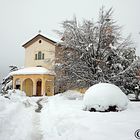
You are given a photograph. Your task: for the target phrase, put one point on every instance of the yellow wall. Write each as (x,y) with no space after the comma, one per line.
(49,87)
(29,86)
(45,47)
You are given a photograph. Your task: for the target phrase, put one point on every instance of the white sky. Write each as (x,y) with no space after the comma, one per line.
(20,20)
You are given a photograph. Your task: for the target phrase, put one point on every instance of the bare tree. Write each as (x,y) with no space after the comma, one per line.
(97,52)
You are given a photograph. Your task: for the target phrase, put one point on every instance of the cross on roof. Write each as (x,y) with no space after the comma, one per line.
(39,31)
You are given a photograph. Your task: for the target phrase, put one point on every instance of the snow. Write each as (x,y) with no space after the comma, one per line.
(20,96)
(16,117)
(32,70)
(4,103)
(63,118)
(112,47)
(103,95)
(72,95)
(132,96)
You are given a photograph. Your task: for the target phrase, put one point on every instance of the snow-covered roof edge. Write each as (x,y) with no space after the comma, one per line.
(32,71)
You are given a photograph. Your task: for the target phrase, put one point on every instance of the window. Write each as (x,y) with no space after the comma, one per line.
(39,41)
(35,56)
(39,56)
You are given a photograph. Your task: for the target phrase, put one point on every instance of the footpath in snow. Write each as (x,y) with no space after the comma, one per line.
(20,117)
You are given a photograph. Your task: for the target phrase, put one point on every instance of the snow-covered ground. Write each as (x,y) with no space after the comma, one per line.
(63,118)
(18,119)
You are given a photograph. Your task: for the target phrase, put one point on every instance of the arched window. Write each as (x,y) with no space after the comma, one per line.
(39,56)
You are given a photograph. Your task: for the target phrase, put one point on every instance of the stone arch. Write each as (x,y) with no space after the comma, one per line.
(38,87)
(28,86)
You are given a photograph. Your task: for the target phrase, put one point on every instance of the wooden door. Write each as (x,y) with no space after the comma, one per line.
(38,88)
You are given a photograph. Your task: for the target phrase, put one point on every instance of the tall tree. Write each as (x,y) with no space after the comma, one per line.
(97,52)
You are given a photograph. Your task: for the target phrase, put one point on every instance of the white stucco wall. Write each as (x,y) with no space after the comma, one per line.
(45,47)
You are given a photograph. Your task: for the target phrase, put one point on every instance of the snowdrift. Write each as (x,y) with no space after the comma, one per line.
(105,97)
(16,116)
(72,95)
(20,96)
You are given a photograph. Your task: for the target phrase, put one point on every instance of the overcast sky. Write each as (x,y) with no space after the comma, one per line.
(20,20)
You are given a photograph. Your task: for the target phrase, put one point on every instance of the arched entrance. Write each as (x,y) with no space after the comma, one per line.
(17,84)
(38,87)
(28,87)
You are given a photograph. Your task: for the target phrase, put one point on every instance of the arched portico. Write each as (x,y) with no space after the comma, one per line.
(28,86)
(35,84)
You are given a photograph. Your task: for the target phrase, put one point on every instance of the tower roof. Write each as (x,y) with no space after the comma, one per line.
(39,36)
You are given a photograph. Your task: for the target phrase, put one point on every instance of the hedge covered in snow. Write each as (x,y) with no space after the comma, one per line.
(105,97)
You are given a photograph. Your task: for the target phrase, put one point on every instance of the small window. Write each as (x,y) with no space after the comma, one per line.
(40,41)
(35,56)
(42,55)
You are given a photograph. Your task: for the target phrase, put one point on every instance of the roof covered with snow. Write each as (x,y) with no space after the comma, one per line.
(32,70)
(39,36)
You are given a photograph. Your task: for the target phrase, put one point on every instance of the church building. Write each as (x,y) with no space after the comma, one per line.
(38,75)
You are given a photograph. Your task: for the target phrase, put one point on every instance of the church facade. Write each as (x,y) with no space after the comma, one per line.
(38,75)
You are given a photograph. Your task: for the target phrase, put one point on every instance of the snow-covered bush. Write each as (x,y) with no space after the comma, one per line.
(104,97)
(72,95)
(20,96)
(15,95)
(132,97)
(7,81)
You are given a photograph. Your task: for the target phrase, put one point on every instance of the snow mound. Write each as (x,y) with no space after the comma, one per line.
(72,95)
(16,95)
(105,97)
(20,96)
